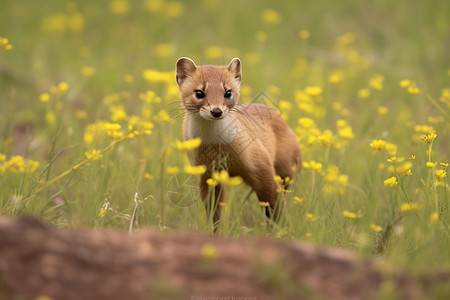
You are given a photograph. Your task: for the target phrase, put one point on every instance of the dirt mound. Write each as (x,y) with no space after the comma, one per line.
(36,260)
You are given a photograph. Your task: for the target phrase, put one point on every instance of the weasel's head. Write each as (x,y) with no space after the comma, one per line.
(210,91)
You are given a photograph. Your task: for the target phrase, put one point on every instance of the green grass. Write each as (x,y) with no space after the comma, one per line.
(355,40)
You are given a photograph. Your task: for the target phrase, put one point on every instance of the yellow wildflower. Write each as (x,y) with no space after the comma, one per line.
(119,7)
(434,217)
(273,89)
(378,145)
(50,117)
(382,110)
(391,182)
(148,176)
(128,78)
(211,182)
(430,164)
(429,137)
(195,170)
(391,149)
(118,113)
(263,204)
(376,82)
(350,215)
(298,200)
(271,16)
(335,77)
(405,207)
(213,52)
(313,90)
(376,228)
(310,217)
(304,34)
(44,97)
(209,251)
(441,174)
(224,178)
(171,170)
(443,164)
(312,165)
(403,169)
(4,44)
(279,180)
(164,50)
(306,122)
(413,89)
(189,144)
(42,297)
(63,86)
(94,154)
(326,139)
(148,96)
(162,116)
(174,9)
(87,71)
(157,76)
(154,5)
(363,93)
(405,83)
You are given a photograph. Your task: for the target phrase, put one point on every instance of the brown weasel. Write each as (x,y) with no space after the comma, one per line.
(249,140)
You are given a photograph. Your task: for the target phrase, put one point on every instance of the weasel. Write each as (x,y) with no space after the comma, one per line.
(250,140)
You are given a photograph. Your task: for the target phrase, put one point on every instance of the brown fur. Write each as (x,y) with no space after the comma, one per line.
(250,140)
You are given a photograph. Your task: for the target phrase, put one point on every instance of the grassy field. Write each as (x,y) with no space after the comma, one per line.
(90,117)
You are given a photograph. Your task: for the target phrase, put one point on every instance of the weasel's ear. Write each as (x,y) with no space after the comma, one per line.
(185,66)
(235,68)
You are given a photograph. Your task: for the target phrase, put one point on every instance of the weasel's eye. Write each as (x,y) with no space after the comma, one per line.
(228,94)
(199,94)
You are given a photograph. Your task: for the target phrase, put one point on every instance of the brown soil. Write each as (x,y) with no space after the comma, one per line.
(36,260)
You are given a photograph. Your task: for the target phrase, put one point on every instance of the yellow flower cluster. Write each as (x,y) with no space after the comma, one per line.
(376,82)
(119,7)
(61,22)
(100,130)
(224,178)
(195,170)
(309,134)
(209,251)
(351,215)
(17,165)
(312,165)
(391,182)
(345,47)
(149,97)
(271,16)
(155,76)
(399,166)
(380,145)
(172,9)
(441,174)
(445,96)
(94,154)
(4,44)
(410,85)
(334,181)
(407,207)
(189,145)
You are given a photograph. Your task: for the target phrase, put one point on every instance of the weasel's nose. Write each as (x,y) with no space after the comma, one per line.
(216,112)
